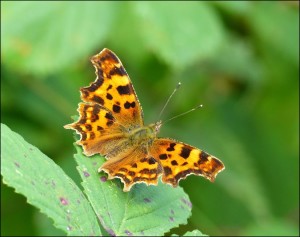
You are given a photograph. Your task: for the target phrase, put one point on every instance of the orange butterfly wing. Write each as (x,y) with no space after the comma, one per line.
(179,160)
(113,90)
(133,165)
(110,107)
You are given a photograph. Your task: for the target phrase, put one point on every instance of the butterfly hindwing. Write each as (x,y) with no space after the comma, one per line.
(99,132)
(132,166)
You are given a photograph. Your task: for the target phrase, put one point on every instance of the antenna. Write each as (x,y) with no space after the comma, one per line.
(167,102)
(179,115)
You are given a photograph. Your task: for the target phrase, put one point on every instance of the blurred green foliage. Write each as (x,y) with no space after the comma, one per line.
(239,59)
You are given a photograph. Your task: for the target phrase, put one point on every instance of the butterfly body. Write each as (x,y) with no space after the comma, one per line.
(143,136)
(111,124)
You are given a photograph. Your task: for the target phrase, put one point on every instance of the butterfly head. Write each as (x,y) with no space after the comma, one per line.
(157,126)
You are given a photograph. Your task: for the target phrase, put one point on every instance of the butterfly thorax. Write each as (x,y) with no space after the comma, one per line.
(144,135)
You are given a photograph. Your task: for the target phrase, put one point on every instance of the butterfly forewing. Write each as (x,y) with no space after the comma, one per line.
(179,160)
(113,90)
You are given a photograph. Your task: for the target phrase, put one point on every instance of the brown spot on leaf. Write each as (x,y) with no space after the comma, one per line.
(63,201)
(86,174)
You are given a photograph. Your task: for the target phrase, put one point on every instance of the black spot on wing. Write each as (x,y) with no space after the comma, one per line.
(151,161)
(109,123)
(94,117)
(126,180)
(98,99)
(182,174)
(131,173)
(82,120)
(116,108)
(167,170)
(92,135)
(127,105)
(143,159)
(123,169)
(124,90)
(174,163)
(203,157)
(118,71)
(88,127)
(112,57)
(109,96)
(185,152)
(219,163)
(109,116)
(83,136)
(171,147)
(96,109)
(163,156)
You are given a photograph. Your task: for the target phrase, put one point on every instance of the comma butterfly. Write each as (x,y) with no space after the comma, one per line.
(111,124)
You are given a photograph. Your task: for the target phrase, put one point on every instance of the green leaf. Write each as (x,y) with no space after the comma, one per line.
(45,38)
(180,32)
(45,185)
(145,210)
(192,233)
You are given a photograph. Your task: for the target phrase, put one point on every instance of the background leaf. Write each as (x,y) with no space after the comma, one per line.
(193,233)
(167,34)
(45,185)
(27,39)
(149,211)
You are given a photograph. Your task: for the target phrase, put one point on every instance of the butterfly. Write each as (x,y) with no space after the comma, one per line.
(111,124)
